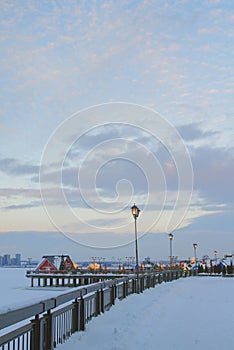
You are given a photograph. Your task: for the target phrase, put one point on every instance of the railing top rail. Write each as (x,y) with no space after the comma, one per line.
(11,317)
(15,333)
(15,316)
(71,274)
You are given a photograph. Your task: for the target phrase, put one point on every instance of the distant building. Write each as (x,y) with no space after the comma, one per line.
(6,260)
(51,263)
(46,266)
(18,259)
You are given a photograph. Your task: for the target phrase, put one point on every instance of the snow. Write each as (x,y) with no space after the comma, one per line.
(15,291)
(190,313)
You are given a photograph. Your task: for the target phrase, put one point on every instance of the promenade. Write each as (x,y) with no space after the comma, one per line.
(193,313)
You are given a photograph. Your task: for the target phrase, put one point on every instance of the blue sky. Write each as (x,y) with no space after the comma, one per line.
(59,58)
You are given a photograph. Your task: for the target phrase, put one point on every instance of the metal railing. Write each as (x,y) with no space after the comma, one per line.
(56,319)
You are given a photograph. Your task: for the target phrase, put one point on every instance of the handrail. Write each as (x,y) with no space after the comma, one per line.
(21,314)
(11,317)
(86,301)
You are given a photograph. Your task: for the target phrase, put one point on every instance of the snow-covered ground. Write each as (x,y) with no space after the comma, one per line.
(15,291)
(190,313)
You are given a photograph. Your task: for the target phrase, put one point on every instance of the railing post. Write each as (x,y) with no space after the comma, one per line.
(151,281)
(172,275)
(154,280)
(148,281)
(82,314)
(98,304)
(113,293)
(133,286)
(144,283)
(126,287)
(124,290)
(35,335)
(102,301)
(75,311)
(140,284)
(48,331)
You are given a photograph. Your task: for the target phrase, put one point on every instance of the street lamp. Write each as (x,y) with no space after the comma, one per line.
(29,263)
(135,213)
(195,252)
(215,255)
(170,239)
(128,258)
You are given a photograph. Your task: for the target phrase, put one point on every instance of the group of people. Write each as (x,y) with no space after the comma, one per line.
(216,269)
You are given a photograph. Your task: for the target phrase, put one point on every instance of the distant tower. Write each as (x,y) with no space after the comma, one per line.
(6,260)
(18,259)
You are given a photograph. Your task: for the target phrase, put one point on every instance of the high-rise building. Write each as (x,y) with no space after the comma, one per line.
(18,259)
(6,259)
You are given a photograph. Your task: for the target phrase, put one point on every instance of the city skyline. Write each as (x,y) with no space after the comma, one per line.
(110,103)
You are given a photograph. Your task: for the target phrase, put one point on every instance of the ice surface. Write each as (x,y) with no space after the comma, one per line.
(15,291)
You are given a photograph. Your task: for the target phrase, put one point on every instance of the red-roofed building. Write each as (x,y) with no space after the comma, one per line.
(46,266)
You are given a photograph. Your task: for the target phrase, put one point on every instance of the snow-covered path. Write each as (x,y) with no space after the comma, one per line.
(192,313)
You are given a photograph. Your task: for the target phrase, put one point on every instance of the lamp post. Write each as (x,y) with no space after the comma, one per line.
(170,239)
(215,256)
(29,263)
(128,258)
(135,213)
(195,252)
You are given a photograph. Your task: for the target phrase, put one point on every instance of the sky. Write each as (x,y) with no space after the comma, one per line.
(109,103)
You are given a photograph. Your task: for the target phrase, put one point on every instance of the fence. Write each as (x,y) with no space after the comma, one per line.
(56,319)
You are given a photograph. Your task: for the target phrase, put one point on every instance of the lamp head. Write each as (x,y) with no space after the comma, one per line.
(135,211)
(170,236)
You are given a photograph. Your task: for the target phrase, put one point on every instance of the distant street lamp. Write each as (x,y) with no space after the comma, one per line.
(128,258)
(170,239)
(195,252)
(29,263)
(215,256)
(135,213)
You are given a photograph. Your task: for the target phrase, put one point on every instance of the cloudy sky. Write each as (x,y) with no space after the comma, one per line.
(107,103)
